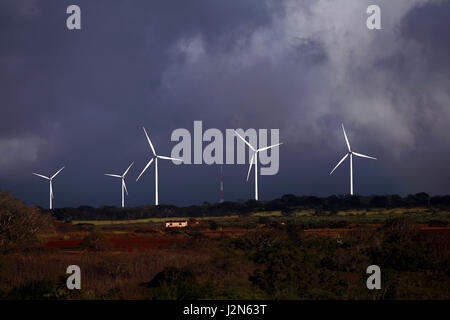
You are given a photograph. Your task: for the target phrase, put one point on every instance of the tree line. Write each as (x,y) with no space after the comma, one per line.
(286,204)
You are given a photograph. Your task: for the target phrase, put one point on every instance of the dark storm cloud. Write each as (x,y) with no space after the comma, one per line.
(428,25)
(79,98)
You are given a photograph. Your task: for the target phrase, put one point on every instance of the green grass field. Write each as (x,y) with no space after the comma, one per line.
(149,220)
(420,215)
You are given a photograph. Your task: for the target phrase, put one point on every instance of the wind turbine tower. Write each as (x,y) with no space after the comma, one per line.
(51,184)
(124,186)
(155,158)
(254,159)
(351,154)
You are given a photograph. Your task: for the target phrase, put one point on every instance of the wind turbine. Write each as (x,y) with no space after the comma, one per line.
(254,159)
(124,186)
(51,185)
(155,158)
(351,153)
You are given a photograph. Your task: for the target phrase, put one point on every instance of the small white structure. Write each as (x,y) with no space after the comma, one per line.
(176,224)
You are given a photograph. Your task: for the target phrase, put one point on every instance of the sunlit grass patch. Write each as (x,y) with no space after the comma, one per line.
(147,220)
(268,214)
(118,222)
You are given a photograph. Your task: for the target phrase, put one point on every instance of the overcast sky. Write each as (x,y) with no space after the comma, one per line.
(80,98)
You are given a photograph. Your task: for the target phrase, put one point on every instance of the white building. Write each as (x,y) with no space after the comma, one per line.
(176,224)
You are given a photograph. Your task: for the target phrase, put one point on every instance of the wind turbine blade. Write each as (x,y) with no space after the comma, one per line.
(113,175)
(125,186)
(169,158)
(363,156)
(346,139)
(250,166)
(40,175)
(57,172)
(51,190)
(342,160)
(148,164)
(270,147)
(149,142)
(126,171)
(249,145)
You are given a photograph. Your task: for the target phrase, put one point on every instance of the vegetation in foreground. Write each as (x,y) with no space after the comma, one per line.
(277,257)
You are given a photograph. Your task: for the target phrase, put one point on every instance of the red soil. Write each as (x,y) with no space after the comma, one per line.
(327,232)
(140,243)
(443,231)
(63,243)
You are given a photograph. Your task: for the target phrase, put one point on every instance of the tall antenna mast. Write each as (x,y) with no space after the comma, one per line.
(221,185)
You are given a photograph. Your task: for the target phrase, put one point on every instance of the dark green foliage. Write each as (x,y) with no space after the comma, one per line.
(264,220)
(287,205)
(287,211)
(38,290)
(96,241)
(213,225)
(437,223)
(177,284)
(20,225)
(290,265)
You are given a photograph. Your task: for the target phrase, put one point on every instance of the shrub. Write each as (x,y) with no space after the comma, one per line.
(20,225)
(213,225)
(264,220)
(249,225)
(176,284)
(399,229)
(96,241)
(438,223)
(37,290)
(288,212)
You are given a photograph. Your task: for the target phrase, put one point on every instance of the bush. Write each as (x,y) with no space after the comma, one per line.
(20,225)
(399,229)
(249,225)
(96,241)
(177,284)
(213,225)
(264,220)
(438,223)
(288,212)
(37,290)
